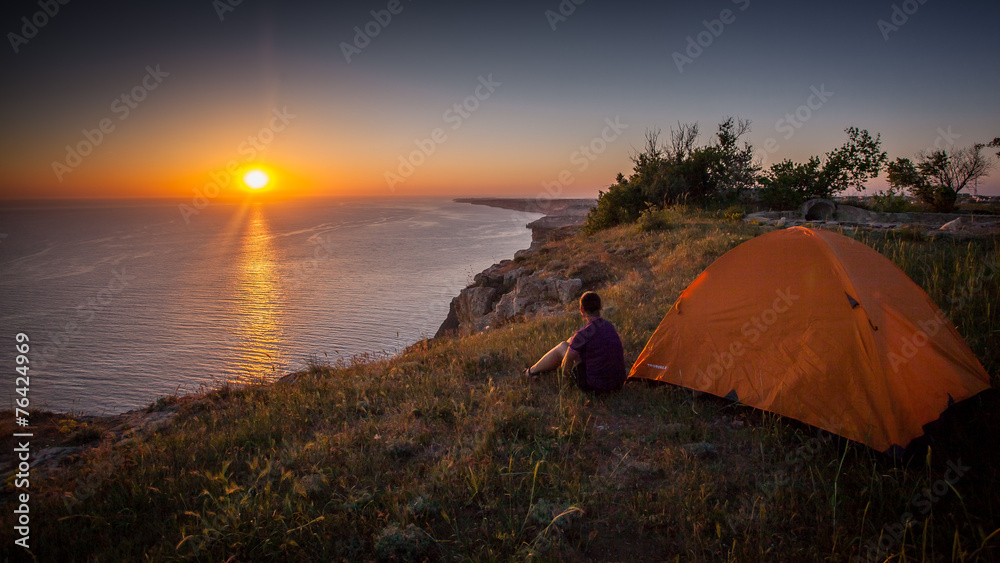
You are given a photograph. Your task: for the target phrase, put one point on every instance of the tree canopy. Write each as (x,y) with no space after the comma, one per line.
(939,176)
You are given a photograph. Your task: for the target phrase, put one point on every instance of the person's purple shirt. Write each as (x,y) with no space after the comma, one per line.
(601,353)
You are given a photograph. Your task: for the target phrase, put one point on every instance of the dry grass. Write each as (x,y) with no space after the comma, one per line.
(444,452)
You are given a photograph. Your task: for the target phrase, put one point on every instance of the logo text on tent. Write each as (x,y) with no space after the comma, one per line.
(919,339)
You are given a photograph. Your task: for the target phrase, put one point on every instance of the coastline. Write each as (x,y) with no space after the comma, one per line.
(563,218)
(359,459)
(554,207)
(558,213)
(504,291)
(390,265)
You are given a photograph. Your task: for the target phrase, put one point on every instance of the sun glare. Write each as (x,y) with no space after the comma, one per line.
(256,179)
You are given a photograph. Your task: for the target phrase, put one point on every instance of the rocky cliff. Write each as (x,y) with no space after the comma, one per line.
(507,290)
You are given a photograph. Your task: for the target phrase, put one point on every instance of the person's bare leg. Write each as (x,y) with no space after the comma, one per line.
(551,360)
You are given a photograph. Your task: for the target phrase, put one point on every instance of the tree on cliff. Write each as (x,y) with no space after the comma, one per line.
(787,183)
(680,171)
(939,176)
(735,168)
(860,159)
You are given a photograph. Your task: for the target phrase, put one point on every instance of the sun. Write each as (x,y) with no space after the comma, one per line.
(256,179)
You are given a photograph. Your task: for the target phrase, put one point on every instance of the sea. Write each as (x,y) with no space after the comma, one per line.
(126,301)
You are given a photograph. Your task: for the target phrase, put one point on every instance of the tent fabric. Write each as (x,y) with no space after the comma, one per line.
(818,327)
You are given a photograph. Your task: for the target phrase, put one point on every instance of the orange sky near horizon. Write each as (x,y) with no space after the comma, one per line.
(178,157)
(447,102)
(164,157)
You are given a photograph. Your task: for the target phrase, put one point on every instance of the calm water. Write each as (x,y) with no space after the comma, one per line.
(125,302)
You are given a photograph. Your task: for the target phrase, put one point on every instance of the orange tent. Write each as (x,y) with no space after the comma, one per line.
(818,327)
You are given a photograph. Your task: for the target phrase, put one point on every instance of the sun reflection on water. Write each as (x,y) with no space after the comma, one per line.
(258,303)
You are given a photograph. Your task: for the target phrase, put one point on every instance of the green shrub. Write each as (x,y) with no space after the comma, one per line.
(652,220)
(787,184)
(622,203)
(889,201)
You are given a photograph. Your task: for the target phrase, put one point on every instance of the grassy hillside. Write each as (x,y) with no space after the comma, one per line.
(445,452)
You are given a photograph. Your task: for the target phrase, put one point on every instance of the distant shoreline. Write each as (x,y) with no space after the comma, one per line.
(557,213)
(548,207)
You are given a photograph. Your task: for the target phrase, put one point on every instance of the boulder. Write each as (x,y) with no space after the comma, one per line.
(534,293)
(492,276)
(819,210)
(49,458)
(505,307)
(488,321)
(511,277)
(954,225)
(497,296)
(568,289)
(474,302)
(450,325)
(532,290)
(851,214)
(525,252)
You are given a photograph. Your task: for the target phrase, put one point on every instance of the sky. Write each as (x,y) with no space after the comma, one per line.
(402,98)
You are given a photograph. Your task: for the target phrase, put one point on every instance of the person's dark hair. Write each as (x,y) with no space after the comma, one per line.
(590,302)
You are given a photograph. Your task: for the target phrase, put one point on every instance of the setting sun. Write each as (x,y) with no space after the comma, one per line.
(256,179)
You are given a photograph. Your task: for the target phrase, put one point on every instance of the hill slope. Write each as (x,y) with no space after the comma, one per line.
(444,451)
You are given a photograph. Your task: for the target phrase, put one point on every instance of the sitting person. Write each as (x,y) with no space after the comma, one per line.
(595,351)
